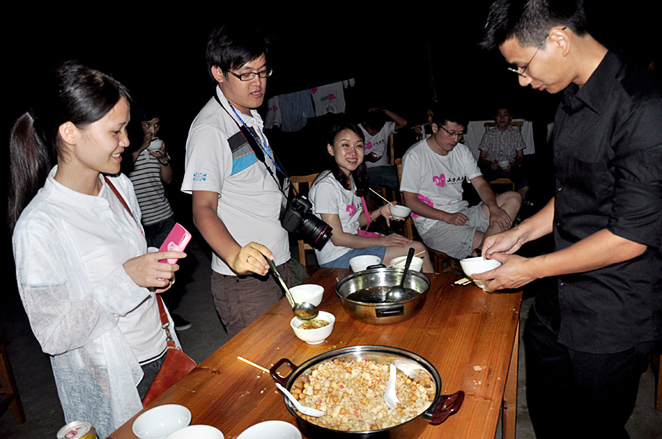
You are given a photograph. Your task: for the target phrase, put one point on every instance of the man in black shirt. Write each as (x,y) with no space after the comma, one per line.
(588,342)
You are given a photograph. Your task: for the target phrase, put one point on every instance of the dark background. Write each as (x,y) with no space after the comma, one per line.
(400,59)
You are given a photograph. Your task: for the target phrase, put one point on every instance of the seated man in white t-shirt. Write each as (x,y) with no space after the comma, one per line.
(433,171)
(377,127)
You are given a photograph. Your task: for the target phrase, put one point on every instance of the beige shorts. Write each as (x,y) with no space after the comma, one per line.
(456,241)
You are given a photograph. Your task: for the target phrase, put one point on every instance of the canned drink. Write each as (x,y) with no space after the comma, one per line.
(77,430)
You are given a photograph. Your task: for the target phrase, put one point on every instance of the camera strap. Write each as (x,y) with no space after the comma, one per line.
(255,145)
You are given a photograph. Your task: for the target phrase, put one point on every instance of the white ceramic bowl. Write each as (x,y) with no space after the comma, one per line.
(399,211)
(399,262)
(504,163)
(271,429)
(360,263)
(471,266)
(310,293)
(314,336)
(197,432)
(155,144)
(159,422)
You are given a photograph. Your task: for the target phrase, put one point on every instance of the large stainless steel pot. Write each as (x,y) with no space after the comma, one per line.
(410,363)
(383,313)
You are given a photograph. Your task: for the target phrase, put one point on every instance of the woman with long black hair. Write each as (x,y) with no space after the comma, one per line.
(338,197)
(84,275)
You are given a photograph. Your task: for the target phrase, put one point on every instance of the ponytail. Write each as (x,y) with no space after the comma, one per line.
(30,162)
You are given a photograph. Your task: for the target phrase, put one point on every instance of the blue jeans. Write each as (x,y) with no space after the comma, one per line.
(343,261)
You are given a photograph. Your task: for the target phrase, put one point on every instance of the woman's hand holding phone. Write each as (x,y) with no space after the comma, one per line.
(147,270)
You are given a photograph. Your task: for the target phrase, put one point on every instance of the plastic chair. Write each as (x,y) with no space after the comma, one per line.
(297,181)
(8,387)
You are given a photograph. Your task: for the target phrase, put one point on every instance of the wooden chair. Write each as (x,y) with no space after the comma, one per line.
(297,181)
(8,387)
(517,124)
(391,157)
(440,258)
(657,371)
(503,181)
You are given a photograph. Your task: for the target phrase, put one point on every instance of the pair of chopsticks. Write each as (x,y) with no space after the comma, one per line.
(463,282)
(380,196)
(416,254)
(254,365)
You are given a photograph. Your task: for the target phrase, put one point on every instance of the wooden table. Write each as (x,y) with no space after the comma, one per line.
(470,336)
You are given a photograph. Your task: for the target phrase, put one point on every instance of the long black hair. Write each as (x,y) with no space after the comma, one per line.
(74,93)
(360,174)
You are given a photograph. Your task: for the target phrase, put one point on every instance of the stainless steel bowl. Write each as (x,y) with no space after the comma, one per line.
(382,313)
(410,363)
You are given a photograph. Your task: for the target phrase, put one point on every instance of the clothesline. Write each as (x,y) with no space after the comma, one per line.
(291,111)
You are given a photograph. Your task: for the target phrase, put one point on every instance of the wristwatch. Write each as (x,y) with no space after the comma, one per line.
(167,162)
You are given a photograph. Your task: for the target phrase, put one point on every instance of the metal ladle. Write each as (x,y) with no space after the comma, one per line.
(303,310)
(398,292)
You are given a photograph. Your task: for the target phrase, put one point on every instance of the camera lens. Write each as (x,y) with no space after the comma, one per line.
(315,231)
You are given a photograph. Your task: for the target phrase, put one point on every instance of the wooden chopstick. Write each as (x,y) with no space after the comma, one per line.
(380,196)
(417,254)
(254,365)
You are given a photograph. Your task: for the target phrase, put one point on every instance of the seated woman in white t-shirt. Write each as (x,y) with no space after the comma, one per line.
(337,197)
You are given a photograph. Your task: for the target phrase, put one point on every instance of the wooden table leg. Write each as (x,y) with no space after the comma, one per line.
(510,395)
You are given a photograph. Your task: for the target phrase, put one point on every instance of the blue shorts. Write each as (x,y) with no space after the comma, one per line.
(343,261)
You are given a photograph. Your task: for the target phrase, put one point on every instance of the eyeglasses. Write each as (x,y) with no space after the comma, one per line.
(522,70)
(453,133)
(251,75)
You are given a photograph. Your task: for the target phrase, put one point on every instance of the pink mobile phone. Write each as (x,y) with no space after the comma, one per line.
(177,240)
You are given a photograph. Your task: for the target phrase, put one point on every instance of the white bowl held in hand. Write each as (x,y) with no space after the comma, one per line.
(271,429)
(159,422)
(398,211)
(197,432)
(471,266)
(155,144)
(317,335)
(310,293)
(360,263)
(504,164)
(399,262)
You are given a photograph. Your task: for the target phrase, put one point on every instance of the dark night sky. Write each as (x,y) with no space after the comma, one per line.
(160,55)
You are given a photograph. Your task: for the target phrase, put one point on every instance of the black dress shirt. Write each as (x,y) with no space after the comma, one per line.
(607,145)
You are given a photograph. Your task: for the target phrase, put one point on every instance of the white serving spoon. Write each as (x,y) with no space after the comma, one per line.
(302,408)
(390,396)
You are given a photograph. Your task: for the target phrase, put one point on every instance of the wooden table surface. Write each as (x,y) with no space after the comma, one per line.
(470,337)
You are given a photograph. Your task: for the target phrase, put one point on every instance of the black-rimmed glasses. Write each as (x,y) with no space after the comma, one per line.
(249,76)
(457,134)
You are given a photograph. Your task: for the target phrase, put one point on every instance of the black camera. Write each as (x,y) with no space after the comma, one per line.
(298,218)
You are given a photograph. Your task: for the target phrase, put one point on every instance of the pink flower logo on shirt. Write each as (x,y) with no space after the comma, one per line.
(424,199)
(368,145)
(351,209)
(332,97)
(439,180)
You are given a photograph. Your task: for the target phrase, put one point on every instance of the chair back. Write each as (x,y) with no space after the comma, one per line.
(297,182)
(517,123)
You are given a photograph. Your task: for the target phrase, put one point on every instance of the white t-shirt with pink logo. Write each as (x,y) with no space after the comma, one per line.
(437,179)
(378,144)
(328,196)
